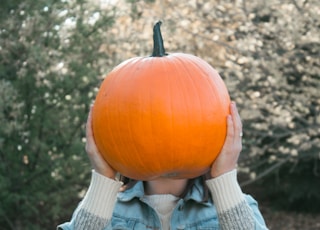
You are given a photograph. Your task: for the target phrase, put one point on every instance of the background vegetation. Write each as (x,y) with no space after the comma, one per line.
(54,54)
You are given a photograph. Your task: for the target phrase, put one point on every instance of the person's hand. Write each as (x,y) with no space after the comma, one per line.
(97,161)
(228,157)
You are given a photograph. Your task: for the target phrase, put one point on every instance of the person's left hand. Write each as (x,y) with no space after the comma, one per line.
(98,163)
(228,157)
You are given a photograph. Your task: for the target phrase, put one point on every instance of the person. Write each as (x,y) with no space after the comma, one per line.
(212,201)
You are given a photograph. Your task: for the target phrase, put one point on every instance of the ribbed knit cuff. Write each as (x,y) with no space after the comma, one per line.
(225,191)
(101,196)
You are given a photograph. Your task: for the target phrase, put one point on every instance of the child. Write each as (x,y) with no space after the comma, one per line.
(213,201)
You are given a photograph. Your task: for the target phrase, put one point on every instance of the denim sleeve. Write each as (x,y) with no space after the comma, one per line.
(245,215)
(258,218)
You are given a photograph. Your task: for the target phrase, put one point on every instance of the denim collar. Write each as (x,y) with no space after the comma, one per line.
(137,191)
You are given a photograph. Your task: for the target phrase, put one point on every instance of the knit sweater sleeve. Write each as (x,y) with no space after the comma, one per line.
(233,210)
(96,208)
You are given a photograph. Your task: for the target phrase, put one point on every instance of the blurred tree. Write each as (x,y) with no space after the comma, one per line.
(53,52)
(278,74)
(50,64)
(268,54)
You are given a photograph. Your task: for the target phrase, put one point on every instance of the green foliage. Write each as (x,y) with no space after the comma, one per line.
(52,54)
(50,64)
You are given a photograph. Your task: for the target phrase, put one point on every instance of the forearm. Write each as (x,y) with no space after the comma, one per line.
(232,207)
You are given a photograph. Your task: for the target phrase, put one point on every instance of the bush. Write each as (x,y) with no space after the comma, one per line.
(50,66)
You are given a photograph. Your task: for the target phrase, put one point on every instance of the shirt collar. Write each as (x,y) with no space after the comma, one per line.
(137,191)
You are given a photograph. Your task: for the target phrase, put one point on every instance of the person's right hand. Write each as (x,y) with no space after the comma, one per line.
(228,157)
(97,161)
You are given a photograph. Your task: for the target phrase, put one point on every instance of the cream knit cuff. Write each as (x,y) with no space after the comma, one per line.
(225,191)
(101,196)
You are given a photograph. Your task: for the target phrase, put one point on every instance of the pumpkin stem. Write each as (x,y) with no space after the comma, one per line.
(158,48)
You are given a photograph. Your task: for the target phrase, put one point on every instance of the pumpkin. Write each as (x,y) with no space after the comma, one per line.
(161,116)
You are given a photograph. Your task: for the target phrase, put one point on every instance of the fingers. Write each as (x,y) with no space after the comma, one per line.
(90,145)
(230,132)
(236,119)
(97,161)
(237,126)
(234,130)
(234,124)
(89,124)
(228,157)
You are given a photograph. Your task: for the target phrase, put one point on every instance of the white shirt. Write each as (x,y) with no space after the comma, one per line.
(164,205)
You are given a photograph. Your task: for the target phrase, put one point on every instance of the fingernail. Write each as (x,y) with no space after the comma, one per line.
(233,105)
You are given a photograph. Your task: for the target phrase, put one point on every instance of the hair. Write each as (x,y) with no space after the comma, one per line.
(128,183)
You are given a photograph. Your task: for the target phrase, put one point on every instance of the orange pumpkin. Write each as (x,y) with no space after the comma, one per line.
(161,116)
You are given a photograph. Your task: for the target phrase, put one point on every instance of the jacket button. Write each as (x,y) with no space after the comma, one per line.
(180,227)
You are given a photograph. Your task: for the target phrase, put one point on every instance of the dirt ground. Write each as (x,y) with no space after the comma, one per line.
(281,220)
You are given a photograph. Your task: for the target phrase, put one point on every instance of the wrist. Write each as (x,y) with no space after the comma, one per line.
(101,167)
(219,172)
(106,173)
(101,195)
(225,191)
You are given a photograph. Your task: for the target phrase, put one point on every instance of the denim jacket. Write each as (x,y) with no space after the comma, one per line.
(132,211)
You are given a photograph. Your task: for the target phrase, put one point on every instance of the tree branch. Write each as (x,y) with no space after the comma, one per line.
(265,173)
